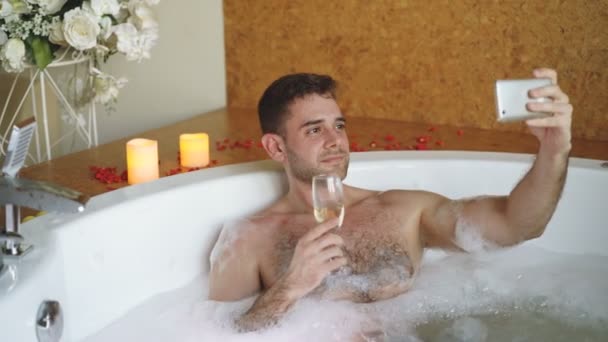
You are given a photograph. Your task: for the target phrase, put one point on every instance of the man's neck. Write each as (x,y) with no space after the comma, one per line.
(299,197)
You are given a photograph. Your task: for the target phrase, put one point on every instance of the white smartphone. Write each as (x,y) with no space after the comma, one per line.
(512,96)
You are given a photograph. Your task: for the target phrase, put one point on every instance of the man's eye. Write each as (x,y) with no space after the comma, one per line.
(341,126)
(313,130)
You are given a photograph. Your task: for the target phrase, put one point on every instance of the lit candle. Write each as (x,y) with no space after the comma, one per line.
(194,150)
(142,160)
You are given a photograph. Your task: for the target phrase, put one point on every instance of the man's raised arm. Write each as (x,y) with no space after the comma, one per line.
(524,214)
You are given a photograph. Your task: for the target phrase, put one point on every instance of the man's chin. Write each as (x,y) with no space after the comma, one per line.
(339,170)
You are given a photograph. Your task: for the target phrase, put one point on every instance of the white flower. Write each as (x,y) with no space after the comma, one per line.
(135,45)
(142,16)
(13,7)
(49,6)
(5,8)
(12,55)
(3,37)
(80,29)
(106,87)
(56,34)
(106,28)
(86,7)
(101,7)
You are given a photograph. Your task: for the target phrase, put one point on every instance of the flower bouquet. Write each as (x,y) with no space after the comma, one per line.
(40,32)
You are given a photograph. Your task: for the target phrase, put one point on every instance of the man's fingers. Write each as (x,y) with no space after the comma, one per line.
(329,253)
(329,240)
(550,107)
(321,229)
(334,264)
(552,121)
(553,91)
(546,72)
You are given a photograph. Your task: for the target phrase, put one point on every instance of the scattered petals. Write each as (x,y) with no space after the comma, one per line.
(420,146)
(106,175)
(421,140)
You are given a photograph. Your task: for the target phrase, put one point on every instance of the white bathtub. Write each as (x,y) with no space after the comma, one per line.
(139,241)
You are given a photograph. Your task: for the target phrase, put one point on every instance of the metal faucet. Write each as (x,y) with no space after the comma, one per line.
(19,192)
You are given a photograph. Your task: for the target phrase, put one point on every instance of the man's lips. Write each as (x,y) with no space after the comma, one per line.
(330,159)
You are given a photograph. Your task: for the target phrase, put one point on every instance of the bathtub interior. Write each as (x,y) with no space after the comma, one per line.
(137,242)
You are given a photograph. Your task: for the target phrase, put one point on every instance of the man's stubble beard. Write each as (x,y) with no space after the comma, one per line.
(304,172)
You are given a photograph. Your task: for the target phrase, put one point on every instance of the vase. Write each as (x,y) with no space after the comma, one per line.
(79,119)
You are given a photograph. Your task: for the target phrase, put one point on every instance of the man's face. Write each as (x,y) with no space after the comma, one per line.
(316,141)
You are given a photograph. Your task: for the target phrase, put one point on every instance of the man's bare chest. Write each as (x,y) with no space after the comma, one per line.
(374,245)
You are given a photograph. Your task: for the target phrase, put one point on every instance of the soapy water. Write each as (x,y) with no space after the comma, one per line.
(523,293)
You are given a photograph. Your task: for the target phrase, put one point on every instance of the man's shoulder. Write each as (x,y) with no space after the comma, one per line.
(399,195)
(254,226)
(412,199)
(241,237)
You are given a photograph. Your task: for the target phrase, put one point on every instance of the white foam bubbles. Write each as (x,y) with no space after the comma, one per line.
(511,294)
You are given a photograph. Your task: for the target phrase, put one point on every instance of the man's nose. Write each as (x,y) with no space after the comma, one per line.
(332,138)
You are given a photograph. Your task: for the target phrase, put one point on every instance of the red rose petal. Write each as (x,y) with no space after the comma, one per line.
(421,140)
(460,132)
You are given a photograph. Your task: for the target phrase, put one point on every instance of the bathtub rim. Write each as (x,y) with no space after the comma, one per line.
(359,159)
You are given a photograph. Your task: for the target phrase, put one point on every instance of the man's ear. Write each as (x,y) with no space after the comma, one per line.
(274,146)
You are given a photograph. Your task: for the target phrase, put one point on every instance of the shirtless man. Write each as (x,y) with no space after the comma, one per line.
(284,255)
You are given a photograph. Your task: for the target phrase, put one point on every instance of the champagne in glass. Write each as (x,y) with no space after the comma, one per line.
(328,198)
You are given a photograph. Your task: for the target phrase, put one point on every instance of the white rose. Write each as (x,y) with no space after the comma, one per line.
(142,17)
(3,37)
(86,7)
(101,7)
(5,8)
(107,87)
(106,28)
(135,45)
(12,55)
(56,34)
(80,29)
(49,6)
(13,7)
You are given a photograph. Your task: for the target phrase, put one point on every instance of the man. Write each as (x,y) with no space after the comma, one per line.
(282,253)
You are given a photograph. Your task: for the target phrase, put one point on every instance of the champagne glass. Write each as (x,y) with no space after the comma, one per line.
(328,203)
(328,198)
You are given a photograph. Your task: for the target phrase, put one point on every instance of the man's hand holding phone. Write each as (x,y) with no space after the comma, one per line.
(548,112)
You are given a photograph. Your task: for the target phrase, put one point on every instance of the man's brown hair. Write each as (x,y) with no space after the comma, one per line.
(273,107)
